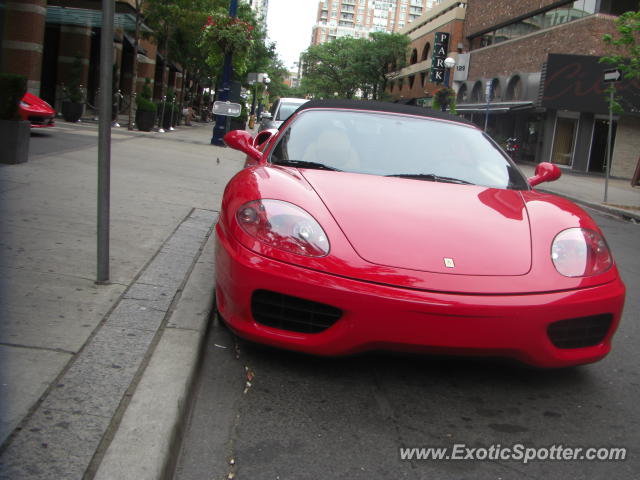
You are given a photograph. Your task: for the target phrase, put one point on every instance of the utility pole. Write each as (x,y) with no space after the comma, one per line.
(104,139)
(220,127)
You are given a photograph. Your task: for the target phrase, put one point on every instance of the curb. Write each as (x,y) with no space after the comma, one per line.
(146,444)
(618,212)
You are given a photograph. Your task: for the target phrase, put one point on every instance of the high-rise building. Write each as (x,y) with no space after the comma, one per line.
(358,18)
(261,7)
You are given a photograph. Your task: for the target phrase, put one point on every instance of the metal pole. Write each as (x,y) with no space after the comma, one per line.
(161,122)
(609,135)
(220,127)
(486,113)
(104,139)
(173,105)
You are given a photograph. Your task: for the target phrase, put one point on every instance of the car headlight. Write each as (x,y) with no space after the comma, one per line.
(24,104)
(284,226)
(579,252)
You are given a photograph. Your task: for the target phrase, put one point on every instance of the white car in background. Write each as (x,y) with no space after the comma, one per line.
(279,112)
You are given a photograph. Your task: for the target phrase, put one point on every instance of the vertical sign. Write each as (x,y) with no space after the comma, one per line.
(440,49)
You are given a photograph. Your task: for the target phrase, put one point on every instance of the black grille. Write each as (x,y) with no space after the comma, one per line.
(580,332)
(40,120)
(292,313)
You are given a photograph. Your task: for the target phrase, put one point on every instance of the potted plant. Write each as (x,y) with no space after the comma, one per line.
(445,98)
(240,122)
(14,132)
(145,109)
(73,103)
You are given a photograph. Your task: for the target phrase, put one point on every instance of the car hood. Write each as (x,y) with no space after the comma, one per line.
(37,105)
(429,226)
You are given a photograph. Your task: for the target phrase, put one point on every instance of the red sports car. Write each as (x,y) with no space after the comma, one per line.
(36,111)
(366,225)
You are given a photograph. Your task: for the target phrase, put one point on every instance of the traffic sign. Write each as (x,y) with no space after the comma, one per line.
(612,75)
(227,109)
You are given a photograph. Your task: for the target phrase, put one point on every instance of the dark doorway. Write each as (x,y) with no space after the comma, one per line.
(49,74)
(598,155)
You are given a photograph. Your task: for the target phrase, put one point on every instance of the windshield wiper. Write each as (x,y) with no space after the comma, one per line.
(432,177)
(305,164)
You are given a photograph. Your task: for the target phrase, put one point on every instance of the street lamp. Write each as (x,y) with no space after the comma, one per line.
(449,62)
(260,78)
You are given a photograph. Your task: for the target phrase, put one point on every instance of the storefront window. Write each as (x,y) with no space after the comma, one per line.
(563,141)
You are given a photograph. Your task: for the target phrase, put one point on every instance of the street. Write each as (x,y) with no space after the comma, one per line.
(260,413)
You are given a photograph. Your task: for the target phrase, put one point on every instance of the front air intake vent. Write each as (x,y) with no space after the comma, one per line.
(292,313)
(580,332)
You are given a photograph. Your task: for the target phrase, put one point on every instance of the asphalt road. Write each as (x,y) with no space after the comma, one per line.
(316,418)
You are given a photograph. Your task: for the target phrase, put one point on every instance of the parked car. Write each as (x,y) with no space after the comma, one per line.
(370,225)
(279,112)
(36,111)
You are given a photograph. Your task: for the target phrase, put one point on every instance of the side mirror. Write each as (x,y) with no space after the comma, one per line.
(266,115)
(545,172)
(262,138)
(242,140)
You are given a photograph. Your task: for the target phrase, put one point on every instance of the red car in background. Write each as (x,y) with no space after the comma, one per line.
(36,111)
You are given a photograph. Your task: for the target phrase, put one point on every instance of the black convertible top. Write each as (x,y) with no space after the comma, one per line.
(377,106)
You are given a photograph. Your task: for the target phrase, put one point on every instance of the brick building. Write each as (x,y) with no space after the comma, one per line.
(42,40)
(539,61)
(413,84)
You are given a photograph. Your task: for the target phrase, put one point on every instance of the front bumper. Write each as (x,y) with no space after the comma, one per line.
(382,317)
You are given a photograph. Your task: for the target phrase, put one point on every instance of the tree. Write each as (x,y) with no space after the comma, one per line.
(374,58)
(627,50)
(627,41)
(329,68)
(347,65)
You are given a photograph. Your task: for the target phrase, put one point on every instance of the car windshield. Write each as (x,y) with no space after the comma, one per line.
(286,109)
(389,144)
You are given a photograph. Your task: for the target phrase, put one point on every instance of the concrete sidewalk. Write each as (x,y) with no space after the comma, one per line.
(76,357)
(94,380)
(623,200)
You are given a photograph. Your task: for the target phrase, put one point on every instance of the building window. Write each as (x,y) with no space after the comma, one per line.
(425,52)
(514,89)
(476,93)
(414,57)
(412,80)
(463,93)
(565,13)
(563,141)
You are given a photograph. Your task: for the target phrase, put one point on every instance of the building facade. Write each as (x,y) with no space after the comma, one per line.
(44,39)
(414,83)
(357,18)
(532,73)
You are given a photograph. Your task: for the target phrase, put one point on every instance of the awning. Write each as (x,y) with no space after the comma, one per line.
(131,41)
(90,18)
(494,107)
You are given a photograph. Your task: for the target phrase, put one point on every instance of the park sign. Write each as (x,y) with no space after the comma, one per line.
(440,50)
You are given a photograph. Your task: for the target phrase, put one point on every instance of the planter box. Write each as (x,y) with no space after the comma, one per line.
(71,111)
(145,120)
(14,138)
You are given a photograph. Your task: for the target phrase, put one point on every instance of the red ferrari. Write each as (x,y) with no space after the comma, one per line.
(36,111)
(366,225)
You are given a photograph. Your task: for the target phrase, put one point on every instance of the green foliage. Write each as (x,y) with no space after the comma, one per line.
(626,56)
(72,90)
(143,101)
(12,89)
(222,34)
(145,104)
(444,98)
(627,44)
(348,64)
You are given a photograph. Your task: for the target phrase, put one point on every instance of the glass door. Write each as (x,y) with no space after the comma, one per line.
(563,141)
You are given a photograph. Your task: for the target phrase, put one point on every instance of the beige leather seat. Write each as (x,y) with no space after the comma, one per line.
(333,148)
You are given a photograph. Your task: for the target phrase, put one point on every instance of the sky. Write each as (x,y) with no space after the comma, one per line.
(289,24)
